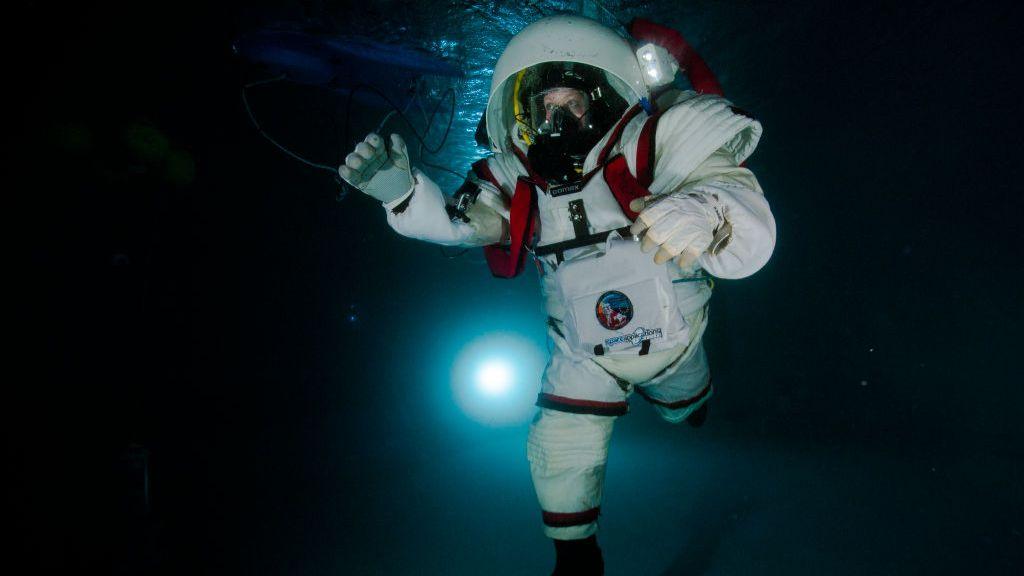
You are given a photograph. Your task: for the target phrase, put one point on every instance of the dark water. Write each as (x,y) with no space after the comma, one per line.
(281,360)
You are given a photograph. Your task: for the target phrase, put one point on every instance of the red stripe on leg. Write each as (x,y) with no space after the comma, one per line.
(566,519)
(577,406)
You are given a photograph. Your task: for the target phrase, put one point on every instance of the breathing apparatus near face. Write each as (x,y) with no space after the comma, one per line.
(563,110)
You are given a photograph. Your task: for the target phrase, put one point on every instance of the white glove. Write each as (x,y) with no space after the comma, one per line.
(379,172)
(683,224)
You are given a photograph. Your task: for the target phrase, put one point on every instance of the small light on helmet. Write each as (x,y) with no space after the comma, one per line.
(659,67)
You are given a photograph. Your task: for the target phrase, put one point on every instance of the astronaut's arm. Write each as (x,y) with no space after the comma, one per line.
(424,213)
(718,217)
(415,206)
(746,238)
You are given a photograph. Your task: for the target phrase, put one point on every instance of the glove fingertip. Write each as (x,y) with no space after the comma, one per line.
(397,142)
(355,162)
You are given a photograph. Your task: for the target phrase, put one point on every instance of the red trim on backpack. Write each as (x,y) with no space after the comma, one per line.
(697,71)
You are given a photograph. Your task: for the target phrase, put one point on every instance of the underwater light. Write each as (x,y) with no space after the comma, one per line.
(494,377)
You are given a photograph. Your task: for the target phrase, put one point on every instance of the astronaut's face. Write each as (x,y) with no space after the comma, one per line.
(570,99)
(563,133)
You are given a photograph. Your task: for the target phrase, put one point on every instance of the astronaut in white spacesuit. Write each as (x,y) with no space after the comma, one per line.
(596,164)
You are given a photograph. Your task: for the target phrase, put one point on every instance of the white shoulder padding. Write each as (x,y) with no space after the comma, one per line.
(689,131)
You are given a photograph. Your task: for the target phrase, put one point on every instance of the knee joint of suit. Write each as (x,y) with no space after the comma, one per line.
(677,415)
(565,440)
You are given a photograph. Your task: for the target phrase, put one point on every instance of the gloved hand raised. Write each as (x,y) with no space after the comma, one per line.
(379,172)
(683,225)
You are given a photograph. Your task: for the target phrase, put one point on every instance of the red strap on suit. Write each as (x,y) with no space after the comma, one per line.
(507,261)
(645,151)
(623,185)
(626,187)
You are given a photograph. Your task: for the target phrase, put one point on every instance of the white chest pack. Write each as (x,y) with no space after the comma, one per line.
(619,303)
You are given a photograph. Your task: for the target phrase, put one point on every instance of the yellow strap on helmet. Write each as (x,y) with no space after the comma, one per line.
(524,128)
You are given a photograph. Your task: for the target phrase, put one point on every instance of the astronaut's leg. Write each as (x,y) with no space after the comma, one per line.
(683,391)
(567,454)
(568,443)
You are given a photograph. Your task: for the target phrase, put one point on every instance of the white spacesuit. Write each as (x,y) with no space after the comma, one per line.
(590,172)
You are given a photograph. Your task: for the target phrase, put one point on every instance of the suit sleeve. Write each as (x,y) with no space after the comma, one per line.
(753,225)
(421,214)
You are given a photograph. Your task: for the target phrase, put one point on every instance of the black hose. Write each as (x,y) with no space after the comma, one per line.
(421,138)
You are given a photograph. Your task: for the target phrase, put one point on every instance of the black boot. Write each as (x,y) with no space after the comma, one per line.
(578,558)
(699,415)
